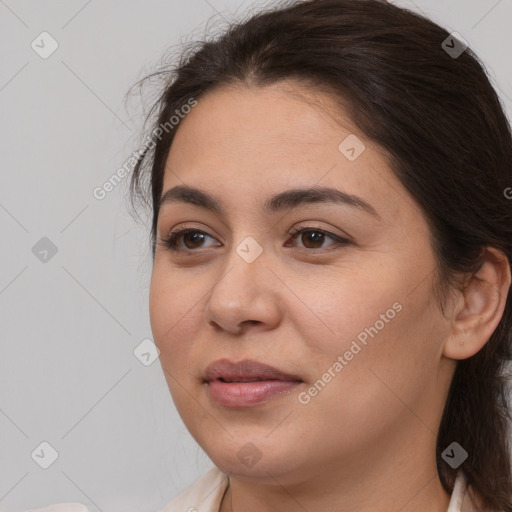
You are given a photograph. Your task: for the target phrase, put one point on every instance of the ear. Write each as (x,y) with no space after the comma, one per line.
(479,307)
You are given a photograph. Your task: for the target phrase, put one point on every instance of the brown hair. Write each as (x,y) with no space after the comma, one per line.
(441,122)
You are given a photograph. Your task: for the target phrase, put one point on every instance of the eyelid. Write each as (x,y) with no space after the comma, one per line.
(306,227)
(185,226)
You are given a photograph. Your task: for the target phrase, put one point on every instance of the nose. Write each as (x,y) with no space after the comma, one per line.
(246,296)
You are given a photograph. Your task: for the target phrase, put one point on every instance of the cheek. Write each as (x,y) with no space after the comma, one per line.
(344,308)
(174,307)
(383,303)
(384,353)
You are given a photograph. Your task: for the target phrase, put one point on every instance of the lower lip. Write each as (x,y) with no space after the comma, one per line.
(247,394)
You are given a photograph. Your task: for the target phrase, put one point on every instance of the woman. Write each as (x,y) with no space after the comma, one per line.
(332,243)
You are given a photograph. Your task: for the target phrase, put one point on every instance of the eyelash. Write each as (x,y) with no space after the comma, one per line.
(170,242)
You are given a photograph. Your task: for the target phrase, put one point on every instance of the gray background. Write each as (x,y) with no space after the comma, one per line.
(70,324)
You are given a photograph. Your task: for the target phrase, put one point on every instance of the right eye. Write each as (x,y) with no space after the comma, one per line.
(192,239)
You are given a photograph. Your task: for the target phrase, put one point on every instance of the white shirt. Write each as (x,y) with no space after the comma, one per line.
(205,495)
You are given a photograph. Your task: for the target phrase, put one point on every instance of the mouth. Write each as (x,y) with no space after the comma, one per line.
(249,379)
(246,383)
(246,370)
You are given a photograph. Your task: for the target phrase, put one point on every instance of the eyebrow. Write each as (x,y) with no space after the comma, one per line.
(287,199)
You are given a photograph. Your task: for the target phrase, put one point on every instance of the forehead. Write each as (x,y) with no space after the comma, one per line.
(240,141)
(279,120)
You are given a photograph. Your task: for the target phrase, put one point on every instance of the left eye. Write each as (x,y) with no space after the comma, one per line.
(311,238)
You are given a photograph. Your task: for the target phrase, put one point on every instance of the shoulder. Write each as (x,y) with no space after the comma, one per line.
(204,495)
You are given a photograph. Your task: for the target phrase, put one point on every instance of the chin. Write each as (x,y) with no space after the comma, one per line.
(253,459)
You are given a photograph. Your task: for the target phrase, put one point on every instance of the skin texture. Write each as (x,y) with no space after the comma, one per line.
(366,441)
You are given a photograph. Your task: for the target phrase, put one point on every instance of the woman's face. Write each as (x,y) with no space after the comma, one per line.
(347,306)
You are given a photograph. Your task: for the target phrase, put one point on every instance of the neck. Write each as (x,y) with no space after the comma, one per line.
(430,498)
(405,480)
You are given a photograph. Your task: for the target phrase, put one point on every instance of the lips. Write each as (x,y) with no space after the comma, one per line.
(245,371)
(247,383)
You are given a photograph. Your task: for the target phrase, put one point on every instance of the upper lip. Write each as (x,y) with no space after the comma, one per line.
(245,370)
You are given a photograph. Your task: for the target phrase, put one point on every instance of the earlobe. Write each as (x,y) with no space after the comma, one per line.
(480,306)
